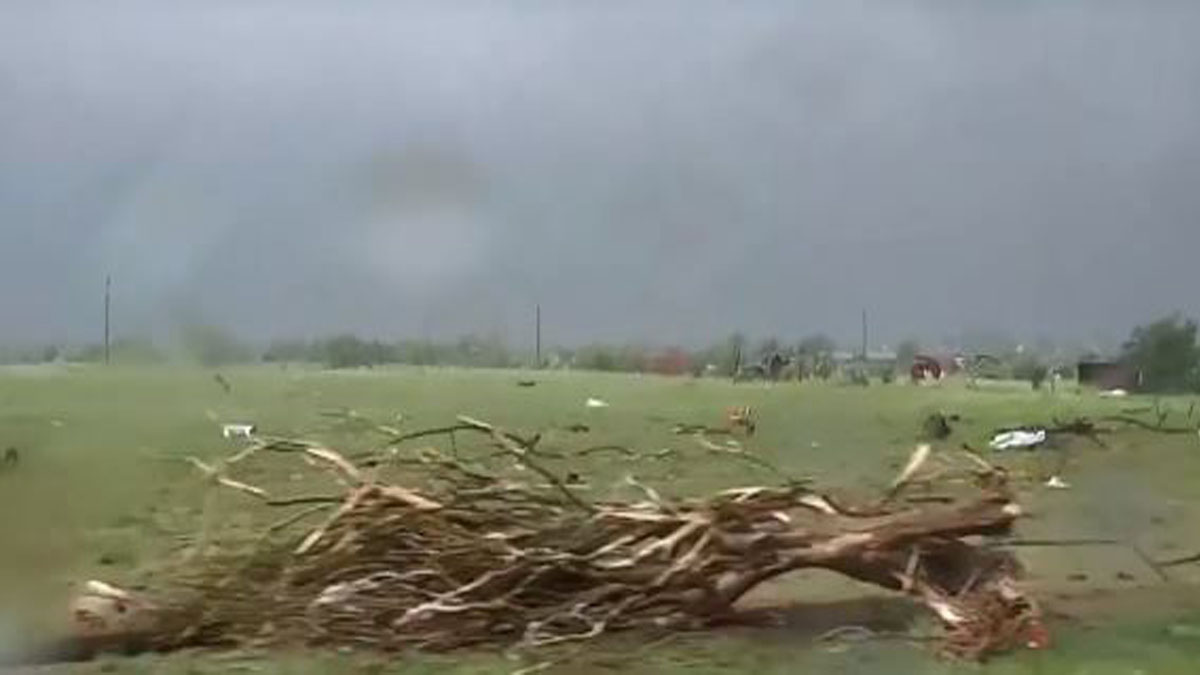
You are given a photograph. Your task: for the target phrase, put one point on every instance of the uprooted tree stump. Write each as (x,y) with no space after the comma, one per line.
(461,556)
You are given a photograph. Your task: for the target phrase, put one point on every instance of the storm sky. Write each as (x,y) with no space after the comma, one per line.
(663,171)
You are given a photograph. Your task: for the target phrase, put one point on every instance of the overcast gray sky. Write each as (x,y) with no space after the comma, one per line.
(653,170)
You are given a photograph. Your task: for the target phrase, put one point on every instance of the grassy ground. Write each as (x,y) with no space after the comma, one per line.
(102,493)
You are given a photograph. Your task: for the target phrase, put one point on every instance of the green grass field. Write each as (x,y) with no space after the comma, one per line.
(103,492)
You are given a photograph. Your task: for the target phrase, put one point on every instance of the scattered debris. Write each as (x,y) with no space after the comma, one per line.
(577,428)
(936,426)
(1184,630)
(1057,483)
(231,431)
(742,417)
(1018,439)
(1114,393)
(684,429)
(223,383)
(526,383)
(12,457)
(596,403)
(918,459)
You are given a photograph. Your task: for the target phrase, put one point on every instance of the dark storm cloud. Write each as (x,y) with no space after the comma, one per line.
(669,171)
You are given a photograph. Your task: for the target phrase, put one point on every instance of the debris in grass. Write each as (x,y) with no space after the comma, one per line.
(936,426)
(238,430)
(1057,483)
(1184,630)
(223,383)
(596,403)
(742,417)
(1018,439)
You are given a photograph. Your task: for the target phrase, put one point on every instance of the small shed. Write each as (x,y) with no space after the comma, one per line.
(1109,375)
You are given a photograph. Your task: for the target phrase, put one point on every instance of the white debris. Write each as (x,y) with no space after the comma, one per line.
(596,403)
(1057,483)
(1114,393)
(101,589)
(238,430)
(1018,438)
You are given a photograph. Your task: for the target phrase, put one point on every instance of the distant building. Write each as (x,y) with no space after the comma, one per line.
(878,356)
(947,363)
(1109,375)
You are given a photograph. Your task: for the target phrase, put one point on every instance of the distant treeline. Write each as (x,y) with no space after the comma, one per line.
(1164,352)
(813,356)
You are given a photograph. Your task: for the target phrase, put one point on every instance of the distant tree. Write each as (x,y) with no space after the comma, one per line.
(596,357)
(905,352)
(633,358)
(350,351)
(670,361)
(482,351)
(858,375)
(132,351)
(816,345)
(417,352)
(768,347)
(630,358)
(1037,376)
(1031,369)
(283,351)
(50,353)
(213,346)
(738,344)
(815,354)
(89,354)
(1166,353)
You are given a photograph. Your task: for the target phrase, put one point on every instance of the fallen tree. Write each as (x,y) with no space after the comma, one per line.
(462,556)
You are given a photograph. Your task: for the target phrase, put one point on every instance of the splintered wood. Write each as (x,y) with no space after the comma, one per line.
(462,556)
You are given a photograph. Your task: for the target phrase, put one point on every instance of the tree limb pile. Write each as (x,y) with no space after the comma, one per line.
(461,556)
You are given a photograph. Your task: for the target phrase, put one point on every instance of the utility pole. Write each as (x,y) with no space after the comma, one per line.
(537,332)
(107,320)
(864,334)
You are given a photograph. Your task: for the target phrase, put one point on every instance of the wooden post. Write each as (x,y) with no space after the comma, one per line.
(537,340)
(107,320)
(864,335)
